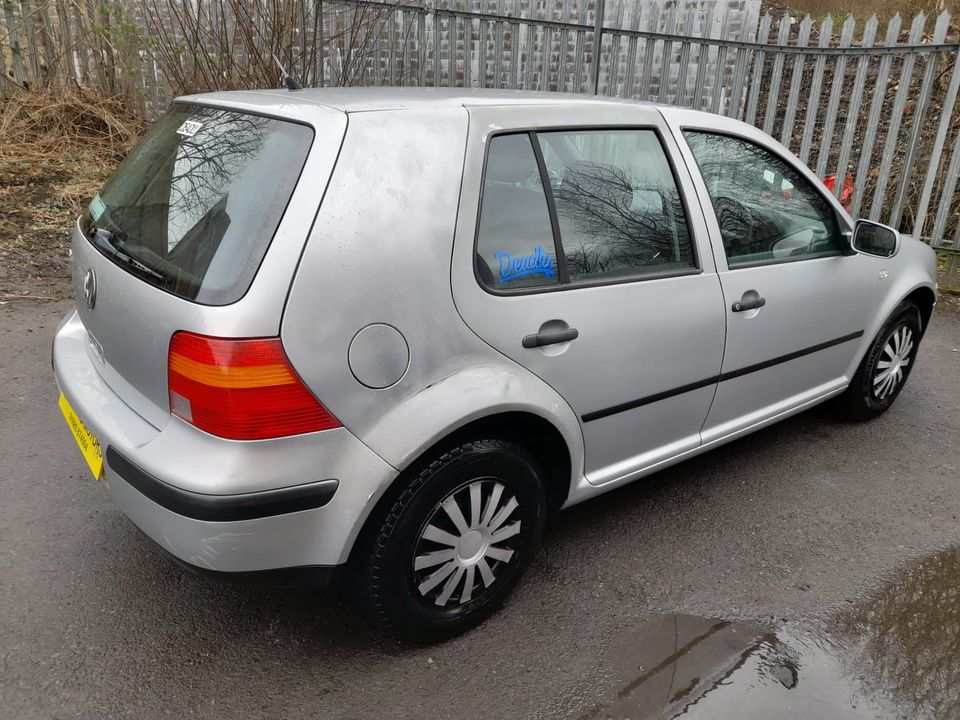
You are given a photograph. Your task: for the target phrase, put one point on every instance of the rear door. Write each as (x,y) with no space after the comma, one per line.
(578,257)
(796,299)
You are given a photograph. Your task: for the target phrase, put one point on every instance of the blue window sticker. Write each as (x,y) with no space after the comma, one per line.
(537,263)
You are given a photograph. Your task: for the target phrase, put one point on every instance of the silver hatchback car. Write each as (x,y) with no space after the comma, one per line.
(391,330)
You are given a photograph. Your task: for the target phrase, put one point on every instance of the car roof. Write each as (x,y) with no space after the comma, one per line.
(373,99)
(311,105)
(369,99)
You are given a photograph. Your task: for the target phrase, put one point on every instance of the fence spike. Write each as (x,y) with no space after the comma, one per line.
(636,18)
(919,110)
(853,108)
(578,50)
(813,102)
(613,71)
(666,57)
(919,20)
(686,29)
(649,45)
(796,77)
(776,75)
(896,117)
(735,105)
(703,60)
(763,36)
(873,120)
(833,104)
(716,92)
(946,197)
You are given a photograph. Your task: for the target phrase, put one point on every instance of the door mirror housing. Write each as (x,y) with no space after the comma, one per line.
(871,238)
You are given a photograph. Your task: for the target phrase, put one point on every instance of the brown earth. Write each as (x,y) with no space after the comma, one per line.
(56,150)
(34,236)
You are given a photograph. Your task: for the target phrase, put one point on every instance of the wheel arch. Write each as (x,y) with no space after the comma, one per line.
(540,436)
(920,293)
(924,298)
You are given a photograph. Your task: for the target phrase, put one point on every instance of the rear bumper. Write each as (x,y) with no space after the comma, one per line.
(223,508)
(308,576)
(224,505)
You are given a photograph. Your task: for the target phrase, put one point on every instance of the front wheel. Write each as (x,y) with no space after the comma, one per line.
(457,540)
(886,366)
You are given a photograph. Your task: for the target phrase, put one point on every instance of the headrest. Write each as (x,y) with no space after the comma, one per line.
(511,159)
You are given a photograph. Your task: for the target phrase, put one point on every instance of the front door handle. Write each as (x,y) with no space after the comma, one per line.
(751,300)
(550,337)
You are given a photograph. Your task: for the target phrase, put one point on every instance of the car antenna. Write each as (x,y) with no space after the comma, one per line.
(289,81)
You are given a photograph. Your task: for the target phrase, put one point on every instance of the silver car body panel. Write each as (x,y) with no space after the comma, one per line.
(399,174)
(810,302)
(133,321)
(193,460)
(636,340)
(381,247)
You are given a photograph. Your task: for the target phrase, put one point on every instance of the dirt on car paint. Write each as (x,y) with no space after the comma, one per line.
(895,654)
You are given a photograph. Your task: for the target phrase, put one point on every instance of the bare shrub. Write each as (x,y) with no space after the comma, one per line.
(230,44)
(74,139)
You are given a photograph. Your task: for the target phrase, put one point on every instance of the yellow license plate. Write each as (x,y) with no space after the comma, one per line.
(89,445)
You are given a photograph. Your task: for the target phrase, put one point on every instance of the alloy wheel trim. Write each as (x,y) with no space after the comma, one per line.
(892,366)
(467,545)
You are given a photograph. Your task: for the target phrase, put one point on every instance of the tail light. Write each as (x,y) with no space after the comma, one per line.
(242,389)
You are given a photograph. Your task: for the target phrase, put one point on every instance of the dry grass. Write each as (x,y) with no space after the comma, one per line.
(73,139)
(56,151)
(863,9)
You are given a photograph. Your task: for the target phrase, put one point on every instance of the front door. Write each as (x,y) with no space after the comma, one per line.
(796,301)
(587,271)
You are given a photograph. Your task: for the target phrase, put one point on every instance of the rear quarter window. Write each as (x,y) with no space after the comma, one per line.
(194,206)
(515,247)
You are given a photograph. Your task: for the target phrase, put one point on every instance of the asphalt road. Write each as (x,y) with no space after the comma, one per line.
(790,524)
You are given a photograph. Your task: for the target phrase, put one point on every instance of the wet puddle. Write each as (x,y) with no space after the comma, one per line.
(894,655)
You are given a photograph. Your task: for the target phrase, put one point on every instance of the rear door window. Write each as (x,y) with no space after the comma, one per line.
(579,206)
(195,205)
(618,206)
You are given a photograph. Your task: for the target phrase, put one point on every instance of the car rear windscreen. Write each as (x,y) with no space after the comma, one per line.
(195,205)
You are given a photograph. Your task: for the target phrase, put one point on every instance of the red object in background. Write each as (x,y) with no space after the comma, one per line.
(845,194)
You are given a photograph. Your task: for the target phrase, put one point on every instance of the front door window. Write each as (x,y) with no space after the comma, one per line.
(767,211)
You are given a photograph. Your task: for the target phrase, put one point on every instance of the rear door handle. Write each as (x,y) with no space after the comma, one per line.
(751,300)
(550,337)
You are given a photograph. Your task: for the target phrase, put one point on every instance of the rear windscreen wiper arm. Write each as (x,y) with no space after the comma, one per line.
(103,239)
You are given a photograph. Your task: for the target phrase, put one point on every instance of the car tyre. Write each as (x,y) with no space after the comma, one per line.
(473,514)
(885,367)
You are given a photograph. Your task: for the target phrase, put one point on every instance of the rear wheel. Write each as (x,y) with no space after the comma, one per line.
(885,368)
(457,540)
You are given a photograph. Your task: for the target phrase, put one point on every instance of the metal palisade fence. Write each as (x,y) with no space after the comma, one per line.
(872,105)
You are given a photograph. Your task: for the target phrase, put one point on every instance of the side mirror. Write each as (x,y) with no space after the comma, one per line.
(872,238)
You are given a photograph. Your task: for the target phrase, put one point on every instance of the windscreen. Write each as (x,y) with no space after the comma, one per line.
(195,205)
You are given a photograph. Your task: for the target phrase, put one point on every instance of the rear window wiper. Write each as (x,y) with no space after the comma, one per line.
(112,244)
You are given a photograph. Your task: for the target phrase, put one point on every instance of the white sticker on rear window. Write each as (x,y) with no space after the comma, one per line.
(96,207)
(189,128)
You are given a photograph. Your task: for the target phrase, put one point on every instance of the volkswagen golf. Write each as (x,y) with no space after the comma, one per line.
(389,331)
